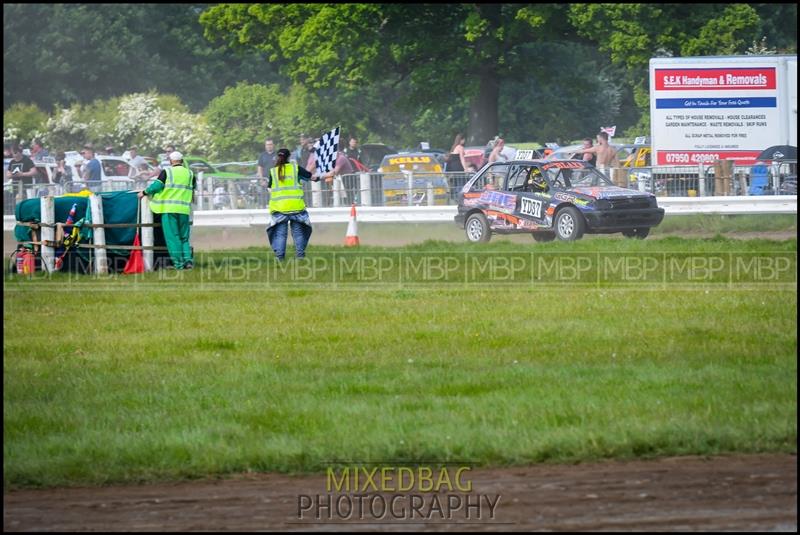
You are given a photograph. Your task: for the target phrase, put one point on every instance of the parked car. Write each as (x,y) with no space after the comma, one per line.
(114,174)
(561,199)
(373,153)
(426,168)
(242,169)
(198,164)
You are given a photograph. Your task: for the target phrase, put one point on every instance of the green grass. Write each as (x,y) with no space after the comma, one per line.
(115,381)
(727,223)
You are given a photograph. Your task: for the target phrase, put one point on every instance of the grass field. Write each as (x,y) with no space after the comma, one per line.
(171,376)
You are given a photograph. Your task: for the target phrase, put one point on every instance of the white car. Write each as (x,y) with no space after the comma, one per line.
(114,174)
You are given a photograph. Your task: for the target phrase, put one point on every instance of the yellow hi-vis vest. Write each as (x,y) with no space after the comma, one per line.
(176,197)
(286,195)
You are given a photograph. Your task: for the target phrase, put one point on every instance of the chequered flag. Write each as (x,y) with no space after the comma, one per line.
(326,149)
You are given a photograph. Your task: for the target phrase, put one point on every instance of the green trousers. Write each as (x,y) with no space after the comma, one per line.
(176,233)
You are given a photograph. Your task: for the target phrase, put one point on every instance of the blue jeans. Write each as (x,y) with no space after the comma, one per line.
(277,232)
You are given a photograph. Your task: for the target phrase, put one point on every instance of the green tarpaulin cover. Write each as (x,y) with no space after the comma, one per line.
(118,207)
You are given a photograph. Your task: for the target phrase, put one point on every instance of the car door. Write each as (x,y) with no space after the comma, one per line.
(533,193)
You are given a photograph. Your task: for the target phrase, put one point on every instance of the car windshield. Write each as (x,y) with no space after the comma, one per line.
(575,177)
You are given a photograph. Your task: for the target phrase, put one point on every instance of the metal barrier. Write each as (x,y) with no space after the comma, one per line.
(762,204)
(16,192)
(706,180)
(439,189)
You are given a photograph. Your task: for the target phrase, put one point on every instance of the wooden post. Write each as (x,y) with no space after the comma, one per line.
(366,193)
(620,176)
(147,232)
(410,177)
(722,177)
(742,183)
(429,192)
(100,257)
(48,207)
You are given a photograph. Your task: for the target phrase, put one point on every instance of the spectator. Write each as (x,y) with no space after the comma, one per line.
(21,169)
(588,156)
(471,169)
(109,151)
(267,159)
(265,162)
(91,171)
(353,150)
(606,154)
(496,154)
(341,167)
(169,149)
(38,152)
(221,198)
(134,159)
(455,161)
(6,151)
(138,165)
(63,172)
(301,152)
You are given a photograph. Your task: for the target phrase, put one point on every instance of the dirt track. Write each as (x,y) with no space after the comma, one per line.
(744,492)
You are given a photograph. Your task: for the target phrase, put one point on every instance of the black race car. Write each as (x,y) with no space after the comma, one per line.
(552,199)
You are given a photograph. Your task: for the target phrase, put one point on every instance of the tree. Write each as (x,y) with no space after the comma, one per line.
(564,103)
(443,51)
(634,33)
(240,118)
(59,54)
(23,122)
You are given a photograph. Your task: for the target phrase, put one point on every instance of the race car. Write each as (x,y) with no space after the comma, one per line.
(549,199)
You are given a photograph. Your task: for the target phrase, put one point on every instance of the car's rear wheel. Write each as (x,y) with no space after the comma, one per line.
(569,224)
(639,233)
(477,228)
(543,236)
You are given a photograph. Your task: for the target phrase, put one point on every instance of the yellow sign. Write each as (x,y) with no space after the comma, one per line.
(410,159)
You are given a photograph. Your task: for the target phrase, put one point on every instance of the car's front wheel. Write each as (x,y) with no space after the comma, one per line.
(639,233)
(477,228)
(569,224)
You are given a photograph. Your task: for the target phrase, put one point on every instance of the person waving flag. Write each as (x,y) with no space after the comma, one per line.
(326,149)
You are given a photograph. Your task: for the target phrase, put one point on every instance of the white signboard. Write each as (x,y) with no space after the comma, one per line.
(524,154)
(713,110)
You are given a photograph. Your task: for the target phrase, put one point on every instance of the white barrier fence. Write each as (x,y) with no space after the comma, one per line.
(774,204)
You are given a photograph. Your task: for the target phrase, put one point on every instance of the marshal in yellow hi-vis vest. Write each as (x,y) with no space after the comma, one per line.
(286,195)
(176,197)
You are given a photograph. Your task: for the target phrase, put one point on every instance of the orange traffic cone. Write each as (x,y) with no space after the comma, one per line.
(351,239)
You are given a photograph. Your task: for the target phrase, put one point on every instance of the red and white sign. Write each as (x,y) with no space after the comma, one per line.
(715,79)
(694,157)
(715,108)
(610,130)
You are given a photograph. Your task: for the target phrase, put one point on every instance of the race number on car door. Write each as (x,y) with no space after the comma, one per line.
(531,207)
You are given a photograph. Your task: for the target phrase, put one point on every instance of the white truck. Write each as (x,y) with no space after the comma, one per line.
(721,107)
